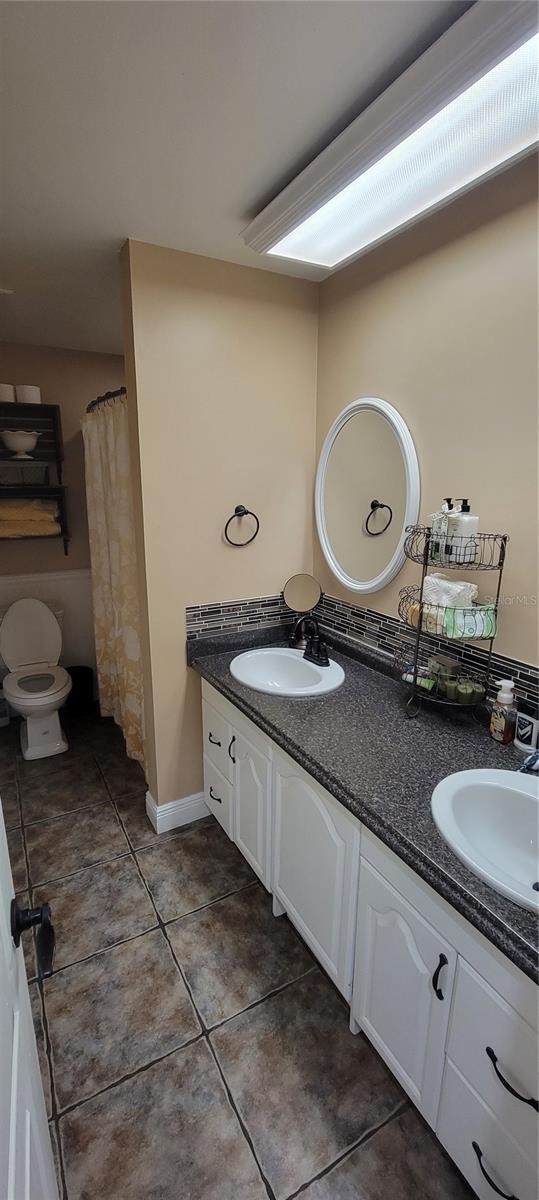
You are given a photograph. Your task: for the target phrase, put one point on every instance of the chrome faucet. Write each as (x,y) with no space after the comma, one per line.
(530,765)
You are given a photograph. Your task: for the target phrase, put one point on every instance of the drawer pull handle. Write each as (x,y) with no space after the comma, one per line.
(230,754)
(214,797)
(524,1099)
(213,740)
(441,964)
(505,1195)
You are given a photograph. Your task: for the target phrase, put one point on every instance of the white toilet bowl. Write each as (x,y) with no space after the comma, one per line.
(36,687)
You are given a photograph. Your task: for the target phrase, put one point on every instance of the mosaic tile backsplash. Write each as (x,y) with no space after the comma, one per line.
(387,635)
(207,620)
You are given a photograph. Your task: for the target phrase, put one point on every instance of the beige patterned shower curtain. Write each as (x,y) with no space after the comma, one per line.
(114,569)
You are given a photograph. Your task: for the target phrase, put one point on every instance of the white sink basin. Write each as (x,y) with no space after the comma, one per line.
(283,672)
(491,819)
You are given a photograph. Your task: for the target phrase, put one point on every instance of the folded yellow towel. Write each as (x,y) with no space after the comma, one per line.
(28,510)
(17,529)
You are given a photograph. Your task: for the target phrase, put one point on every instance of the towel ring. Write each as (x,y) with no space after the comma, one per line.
(241,511)
(375,505)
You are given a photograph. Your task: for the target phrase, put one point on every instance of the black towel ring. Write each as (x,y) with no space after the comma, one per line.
(241,511)
(375,505)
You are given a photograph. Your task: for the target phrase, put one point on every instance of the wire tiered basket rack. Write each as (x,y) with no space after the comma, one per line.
(435,630)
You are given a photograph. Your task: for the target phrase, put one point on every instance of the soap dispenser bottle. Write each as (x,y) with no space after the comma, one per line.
(463,526)
(504,713)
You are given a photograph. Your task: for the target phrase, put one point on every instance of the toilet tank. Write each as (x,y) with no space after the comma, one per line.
(55,608)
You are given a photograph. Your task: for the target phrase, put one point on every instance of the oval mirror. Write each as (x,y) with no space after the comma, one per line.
(367,492)
(301,593)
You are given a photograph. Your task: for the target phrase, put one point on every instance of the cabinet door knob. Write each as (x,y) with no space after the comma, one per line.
(505,1195)
(441,964)
(214,797)
(524,1099)
(213,740)
(233,739)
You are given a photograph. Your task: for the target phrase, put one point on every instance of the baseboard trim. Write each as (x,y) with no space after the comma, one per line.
(177,812)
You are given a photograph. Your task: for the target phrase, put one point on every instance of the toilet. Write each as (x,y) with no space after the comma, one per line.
(36,687)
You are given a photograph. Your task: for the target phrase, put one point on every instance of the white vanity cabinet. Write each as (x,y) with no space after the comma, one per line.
(315,867)
(466,1053)
(452,1017)
(402,992)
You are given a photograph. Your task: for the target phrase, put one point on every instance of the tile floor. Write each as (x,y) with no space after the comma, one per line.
(190,1047)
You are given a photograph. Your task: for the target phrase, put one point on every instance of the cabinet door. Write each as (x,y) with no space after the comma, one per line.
(402,988)
(315,868)
(252,804)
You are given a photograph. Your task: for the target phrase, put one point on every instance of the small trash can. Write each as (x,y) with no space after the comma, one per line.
(81,696)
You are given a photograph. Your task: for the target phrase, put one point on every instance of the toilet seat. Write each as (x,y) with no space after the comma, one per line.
(36,686)
(53,679)
(29,635)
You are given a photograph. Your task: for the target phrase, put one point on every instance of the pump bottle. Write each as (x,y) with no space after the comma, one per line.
(504,713)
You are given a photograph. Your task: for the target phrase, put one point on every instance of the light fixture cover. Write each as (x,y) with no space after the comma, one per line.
(491,123)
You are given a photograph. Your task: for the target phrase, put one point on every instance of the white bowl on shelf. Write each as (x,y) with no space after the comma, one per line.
(20,441)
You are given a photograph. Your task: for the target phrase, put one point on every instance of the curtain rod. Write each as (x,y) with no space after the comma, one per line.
(105,398)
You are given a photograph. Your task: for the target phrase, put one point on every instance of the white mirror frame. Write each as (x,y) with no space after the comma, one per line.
(413,491)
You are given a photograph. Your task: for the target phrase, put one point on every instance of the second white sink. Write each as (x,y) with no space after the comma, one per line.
(490,819)
(279,671)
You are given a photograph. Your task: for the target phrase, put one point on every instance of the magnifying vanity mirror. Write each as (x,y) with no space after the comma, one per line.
(367,492)
(301,593)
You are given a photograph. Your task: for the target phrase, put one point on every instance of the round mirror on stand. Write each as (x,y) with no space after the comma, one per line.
(301,593)
(367,492)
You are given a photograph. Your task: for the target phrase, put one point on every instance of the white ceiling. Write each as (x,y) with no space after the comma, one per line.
(171,123)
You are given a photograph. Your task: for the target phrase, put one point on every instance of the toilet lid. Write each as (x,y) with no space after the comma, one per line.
(29,633)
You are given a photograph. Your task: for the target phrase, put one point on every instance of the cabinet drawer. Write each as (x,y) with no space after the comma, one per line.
(464,1120)
(218,736)
(484,1027)
(218,795)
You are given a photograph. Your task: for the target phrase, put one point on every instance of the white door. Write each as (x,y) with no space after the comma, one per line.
(315,868)
(26,1163)
(402,988)
(252,805)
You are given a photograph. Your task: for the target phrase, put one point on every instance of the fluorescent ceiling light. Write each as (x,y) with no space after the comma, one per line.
(491,123)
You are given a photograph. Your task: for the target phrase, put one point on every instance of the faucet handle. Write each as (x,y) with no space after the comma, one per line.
(323,656)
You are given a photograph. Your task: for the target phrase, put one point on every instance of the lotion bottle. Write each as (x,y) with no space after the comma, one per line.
(463,526)
(504,713)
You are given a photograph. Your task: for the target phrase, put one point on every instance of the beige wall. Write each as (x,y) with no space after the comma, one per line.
(442,323)
(224,366)
(70,378)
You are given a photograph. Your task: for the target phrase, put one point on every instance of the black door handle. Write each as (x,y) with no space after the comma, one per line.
(524,1099)
(213,740)
(25,918)
(233,739)
(505,1195)
(437,990)
(214,797)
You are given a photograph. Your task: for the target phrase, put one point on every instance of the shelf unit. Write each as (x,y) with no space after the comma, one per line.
(43,470)
(480,552)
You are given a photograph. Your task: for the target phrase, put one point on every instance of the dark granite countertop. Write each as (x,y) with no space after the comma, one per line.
(360,745)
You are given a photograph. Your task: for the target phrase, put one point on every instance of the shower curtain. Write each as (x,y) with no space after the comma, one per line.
(114,568)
